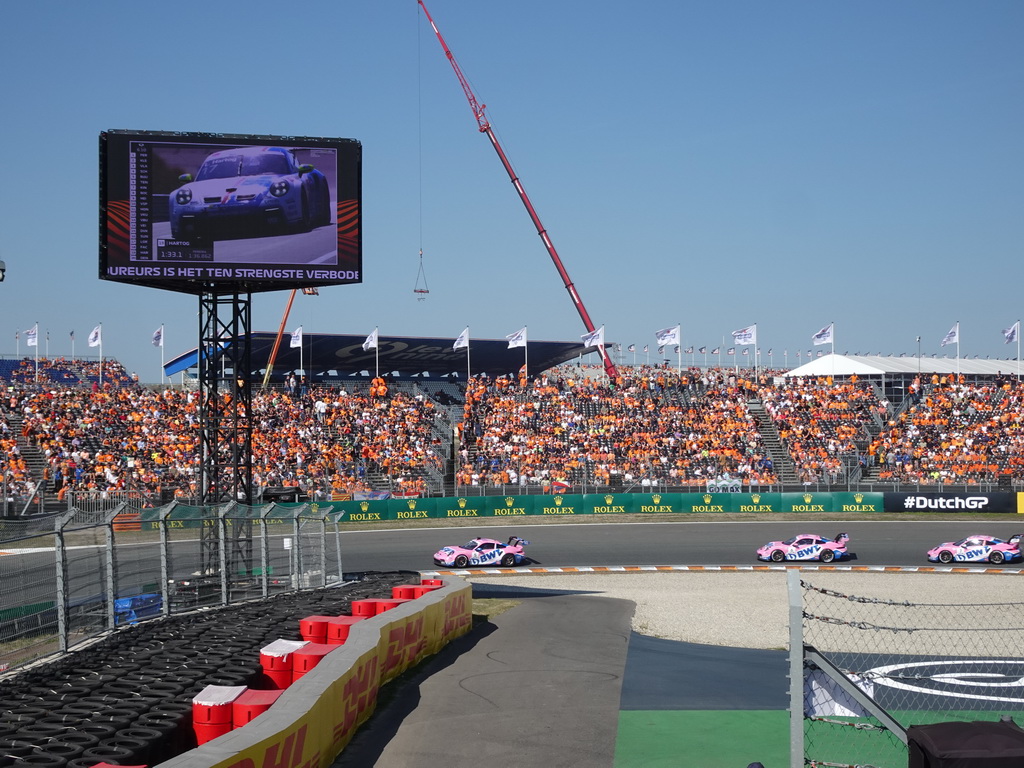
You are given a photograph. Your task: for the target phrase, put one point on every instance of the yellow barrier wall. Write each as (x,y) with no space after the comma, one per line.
(317,716)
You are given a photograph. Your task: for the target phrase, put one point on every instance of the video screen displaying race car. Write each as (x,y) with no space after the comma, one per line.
(806,546)
(182,211)
(980,548)
(483,551)
(249,192)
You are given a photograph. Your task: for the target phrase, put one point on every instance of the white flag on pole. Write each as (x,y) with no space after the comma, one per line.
(824,336)
(32,336)
(1010,334)
(463,341)
(96,337)
(517,339)
(296,338)
(953,337)
(158,337)
(667,336)
(371,341)
(746,335)
(594,339)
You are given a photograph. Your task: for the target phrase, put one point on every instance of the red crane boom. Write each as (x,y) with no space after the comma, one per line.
(485,127)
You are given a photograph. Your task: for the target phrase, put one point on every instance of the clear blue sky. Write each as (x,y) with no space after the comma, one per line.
(713,164)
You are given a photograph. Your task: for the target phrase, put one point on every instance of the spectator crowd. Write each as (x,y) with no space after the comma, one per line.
(568,427)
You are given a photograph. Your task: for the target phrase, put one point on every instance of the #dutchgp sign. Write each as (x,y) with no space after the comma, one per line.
(950,502)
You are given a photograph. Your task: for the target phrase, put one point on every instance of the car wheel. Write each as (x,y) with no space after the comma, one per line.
(827,555)
(461,561)
(508,560)
(996,558)
(945,557)
(778,555)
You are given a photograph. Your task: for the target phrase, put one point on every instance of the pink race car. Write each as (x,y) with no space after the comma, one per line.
(976,549)
(481,551)
(806,546)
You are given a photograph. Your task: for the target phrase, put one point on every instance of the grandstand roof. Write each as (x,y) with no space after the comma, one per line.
(878,365)
(339,356)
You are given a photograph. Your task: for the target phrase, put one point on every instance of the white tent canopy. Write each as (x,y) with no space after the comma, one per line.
(879,365)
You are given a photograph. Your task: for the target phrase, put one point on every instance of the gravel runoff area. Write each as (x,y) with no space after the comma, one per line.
(751,609)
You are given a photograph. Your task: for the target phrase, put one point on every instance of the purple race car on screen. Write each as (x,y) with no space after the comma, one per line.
(976,549)
(806,546)
(481,551)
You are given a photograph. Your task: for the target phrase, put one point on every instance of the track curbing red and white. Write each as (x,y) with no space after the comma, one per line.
(723,568)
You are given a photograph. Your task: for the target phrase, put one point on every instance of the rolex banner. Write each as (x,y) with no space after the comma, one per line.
(568,504)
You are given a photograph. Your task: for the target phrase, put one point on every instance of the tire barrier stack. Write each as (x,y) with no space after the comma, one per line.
(127,699)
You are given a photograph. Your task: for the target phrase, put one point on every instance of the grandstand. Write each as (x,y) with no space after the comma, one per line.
(70,440)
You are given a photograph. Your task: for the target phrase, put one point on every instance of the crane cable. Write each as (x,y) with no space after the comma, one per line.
(421,290)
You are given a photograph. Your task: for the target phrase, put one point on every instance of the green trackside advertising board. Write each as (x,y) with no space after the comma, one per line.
(511,506)
(363,511)
(411,509)
(560,505)
(610,503)
(564,505)
(858,502)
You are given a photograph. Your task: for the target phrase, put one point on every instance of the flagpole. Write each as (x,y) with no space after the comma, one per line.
(469,371)
(302,366)
(162,363)
(833,351)
(101,355)
(526,355)
(47,355)
(37,351)
(376,351)
(958,349)
(1018,350)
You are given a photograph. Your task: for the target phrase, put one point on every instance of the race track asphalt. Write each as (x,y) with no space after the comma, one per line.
(561,680)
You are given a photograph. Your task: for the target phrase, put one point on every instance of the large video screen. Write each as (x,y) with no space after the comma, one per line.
(220,213)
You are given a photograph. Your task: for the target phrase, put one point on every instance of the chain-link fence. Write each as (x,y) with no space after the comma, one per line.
(67,578)
(873,665)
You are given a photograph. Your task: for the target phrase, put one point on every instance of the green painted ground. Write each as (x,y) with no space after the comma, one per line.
(702,739)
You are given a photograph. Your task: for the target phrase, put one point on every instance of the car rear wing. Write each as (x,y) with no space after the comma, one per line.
(1015,539)
(515,541)
(841,537)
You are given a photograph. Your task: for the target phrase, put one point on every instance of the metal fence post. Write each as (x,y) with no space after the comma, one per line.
(796,669)
(108,556)
(62,578)
(222,548)
(165,559)
(265,549)
(337,546)
(323,548)
(296,559)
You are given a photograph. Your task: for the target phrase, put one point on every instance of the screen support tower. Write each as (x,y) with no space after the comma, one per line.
(225,422)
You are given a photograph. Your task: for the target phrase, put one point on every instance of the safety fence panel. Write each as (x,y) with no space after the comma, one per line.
(138,581)
(238,532)
(28,591)
(875,664)
(311,568)
(84,577)
(191,550)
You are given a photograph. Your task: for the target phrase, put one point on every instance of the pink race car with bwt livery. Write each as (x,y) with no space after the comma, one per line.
(976,549)
(806,546)
(481,551)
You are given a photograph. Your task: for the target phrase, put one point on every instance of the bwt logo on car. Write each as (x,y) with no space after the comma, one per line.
(923,502)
